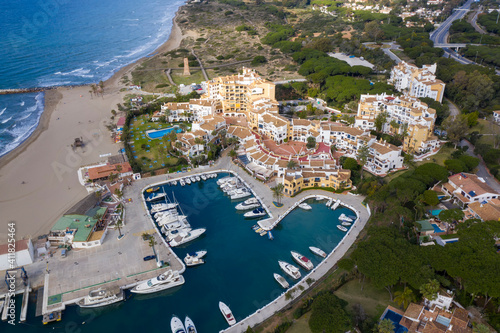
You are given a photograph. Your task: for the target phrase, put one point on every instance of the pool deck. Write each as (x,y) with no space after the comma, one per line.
(265,195)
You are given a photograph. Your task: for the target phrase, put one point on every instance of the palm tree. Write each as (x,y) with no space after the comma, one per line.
(404,297)
(118,193)
(101,87)
(430,290)
(119,225)
(394,124)
(292,164)
(98,195)
(363,154)
(183,126)
(278,192)
(385,326)
(232,154)
(151,241)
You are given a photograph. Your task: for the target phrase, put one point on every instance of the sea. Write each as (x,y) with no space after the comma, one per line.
(238,268)
(62,42)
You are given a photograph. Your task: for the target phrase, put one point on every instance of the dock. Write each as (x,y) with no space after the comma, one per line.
(5,307)
(24,306)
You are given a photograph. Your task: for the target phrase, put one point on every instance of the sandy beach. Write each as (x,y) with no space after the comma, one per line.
(38,179)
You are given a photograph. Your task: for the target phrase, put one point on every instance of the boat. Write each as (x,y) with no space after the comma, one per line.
(176,325)
(329,203)
(240,194)
(173,219)
(167,280)
(186,236)
(281,280)
(182,182)
(189,325)
(305,206)
(195,258)
(226,312)
(174,182)
(153,189)
(197,178)
(258,212)
(317,251)
(224,180)
(263,232)
(203,177)
(156,196)
(162,206)
(188,181)
(346,224)
(270,235)
(302,261)
(100,297)
(336,204)
(345,218)
(342,228)
(193,179)
(171,234)
(289,269)
(248,204)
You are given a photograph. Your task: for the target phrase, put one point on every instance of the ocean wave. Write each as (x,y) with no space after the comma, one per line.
(3,110)
(22,103)
(25,117)
(6,120)
(77,72)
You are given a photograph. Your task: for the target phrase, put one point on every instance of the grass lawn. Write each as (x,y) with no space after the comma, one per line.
(488,129)
(195,77)
(301,325)
(151,153)
(401,55)
(443,154)
(374,301)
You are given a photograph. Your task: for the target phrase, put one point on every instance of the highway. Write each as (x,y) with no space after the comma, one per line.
(440,35)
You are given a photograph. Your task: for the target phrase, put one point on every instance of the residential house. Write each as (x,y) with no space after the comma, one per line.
(485,211)
(102,172)
(467,188)
(24,254)
(496,116)
(297,180)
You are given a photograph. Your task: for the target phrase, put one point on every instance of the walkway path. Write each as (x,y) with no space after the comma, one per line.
(201,66)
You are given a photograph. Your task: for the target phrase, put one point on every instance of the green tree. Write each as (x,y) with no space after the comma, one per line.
(481,328)
(350,163)
(292,164)
(119,225)
(431,198)
(430,290)
(456,128)
(404,298)
(311,142)
(328,315)
(257,60)
(363,154)
(373,31)
(385,326)
(451,215)
(380,120)
(278,192)
(233,154)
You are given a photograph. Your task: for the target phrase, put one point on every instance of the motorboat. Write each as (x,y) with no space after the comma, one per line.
(302,261)
(189,325)
(317,251)
(226,312)
(162,206)
(156,196)
(224,180)
(100,297)
(172,233)
(336,205)
(342,228)
(174,182)
(281,280)
(163,213)
(176,325)
(258,212)
(203,177)
(240,194)
(248,204)
(186,236)
(305,206)
(270,235)
(197,178)
(193,179)
(345,218)
(153,189)
(188,181)
(170,219)
(329,203)
(195,258)
(346,224)
(167,280)
(182,182)
(213,175)
(290,270)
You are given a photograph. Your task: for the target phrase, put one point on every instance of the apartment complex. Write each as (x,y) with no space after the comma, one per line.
(403,114)
(417,82)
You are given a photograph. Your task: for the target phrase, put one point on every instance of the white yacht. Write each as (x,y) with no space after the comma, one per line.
(203,177)
(224,180)
(193,179)
(182,182)
(345,218)
(226,312)
(336,205)
(302,261)
(289,269)
(281,280)
(174,182)
(162,206)
(258,212)
(184,237)
(240,194)
(248,204)
(189,325)
(100,297)
(188,181)
(197,178)
(342,228)
(176,325)
(193,259)
(171,219)
(156,196)
(346,224)
(305,206)
(317,251)
(329,203)
(167,280)
(170,234)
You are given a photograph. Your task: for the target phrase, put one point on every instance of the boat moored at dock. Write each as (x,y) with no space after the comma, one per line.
(258,212)
(193,259)
(186,236)
(290,270)
(281,280)
(248,204)
(342,228)
(302,261)
(345,218)
(162,206)
(317,251)
(100,297)
(226,312)
(167,280)
(305,206)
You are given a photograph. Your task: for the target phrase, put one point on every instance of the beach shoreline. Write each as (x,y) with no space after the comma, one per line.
(42,170)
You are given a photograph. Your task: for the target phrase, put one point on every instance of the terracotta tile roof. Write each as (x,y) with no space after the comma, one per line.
(19,246)
(383,149)
(413,311)
(277,121)
(487,211)
(469,183)
(239,132)
(301,122)
(106,170)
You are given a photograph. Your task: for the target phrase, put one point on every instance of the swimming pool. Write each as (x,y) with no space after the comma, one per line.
(435,212)
(395,318)
(156,134)
(436,228)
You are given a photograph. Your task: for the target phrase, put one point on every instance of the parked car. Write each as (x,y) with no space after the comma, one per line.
(149,258)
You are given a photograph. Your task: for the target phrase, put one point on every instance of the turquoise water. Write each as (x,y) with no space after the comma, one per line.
(161,133)
(395,318)
(238,270)
(436,228)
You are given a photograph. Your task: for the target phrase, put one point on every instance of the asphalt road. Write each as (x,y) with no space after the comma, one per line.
(482,170)
(440,35)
